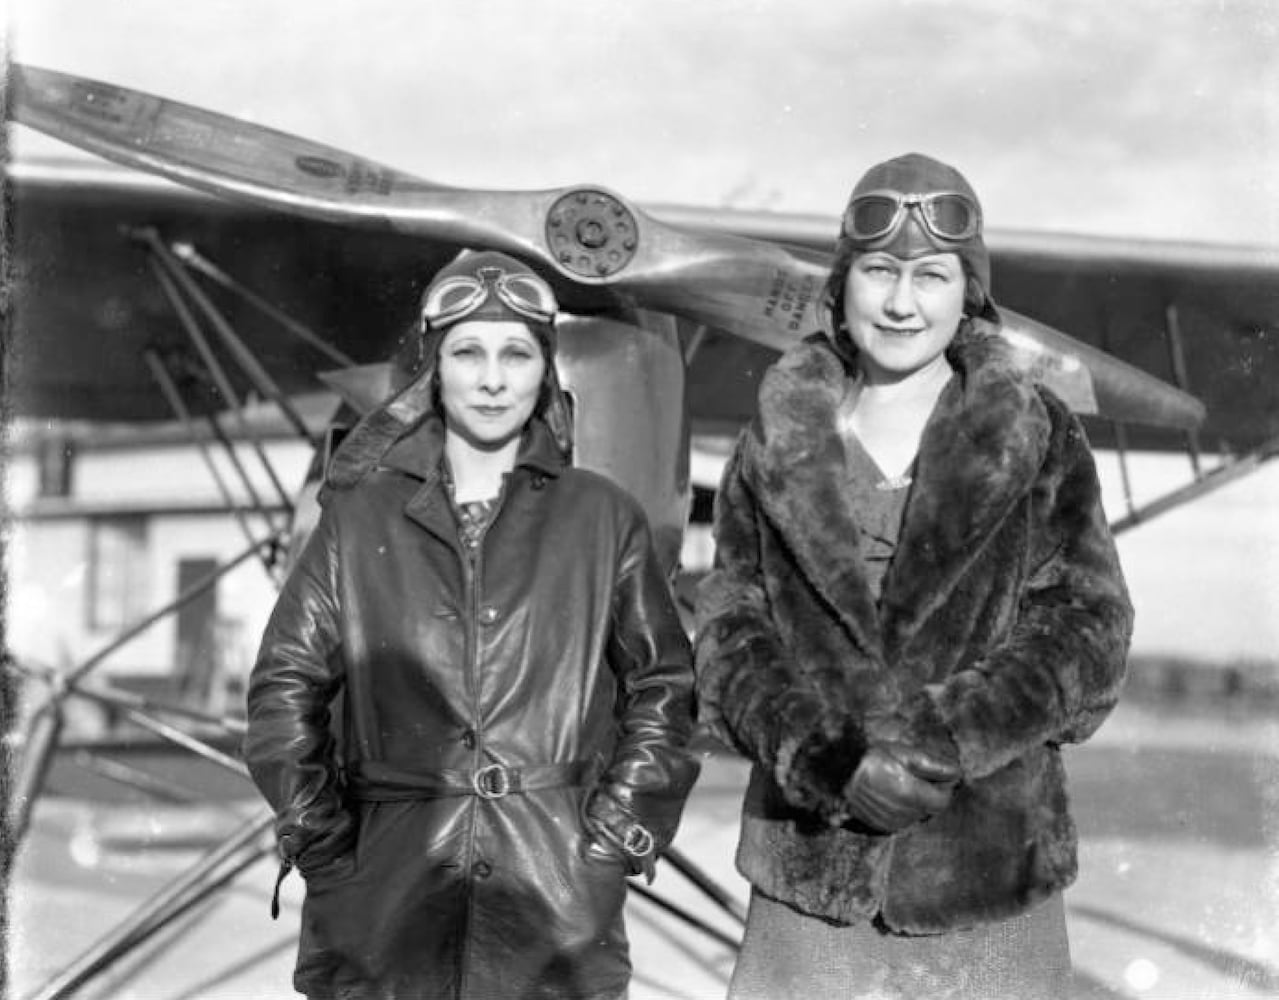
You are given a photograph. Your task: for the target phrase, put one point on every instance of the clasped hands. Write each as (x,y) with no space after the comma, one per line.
(896,785)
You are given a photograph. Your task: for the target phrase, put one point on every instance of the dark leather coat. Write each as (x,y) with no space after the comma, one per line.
(552,649)
(1001,634)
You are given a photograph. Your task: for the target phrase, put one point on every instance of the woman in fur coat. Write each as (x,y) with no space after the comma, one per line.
(916,602)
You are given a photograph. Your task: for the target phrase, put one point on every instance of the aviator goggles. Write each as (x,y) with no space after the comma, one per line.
(461,295)
(947,215)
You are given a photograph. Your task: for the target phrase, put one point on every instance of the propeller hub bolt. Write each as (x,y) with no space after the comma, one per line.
(591,234)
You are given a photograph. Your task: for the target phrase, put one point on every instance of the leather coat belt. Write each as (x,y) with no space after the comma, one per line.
(374,781)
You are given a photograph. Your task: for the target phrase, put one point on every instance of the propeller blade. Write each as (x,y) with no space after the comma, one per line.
(587,234)
(211,152)
(753,289)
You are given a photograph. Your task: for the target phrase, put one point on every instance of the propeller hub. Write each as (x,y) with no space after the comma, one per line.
(591,234)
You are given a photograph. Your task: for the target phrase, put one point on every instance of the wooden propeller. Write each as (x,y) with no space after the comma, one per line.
(751,288)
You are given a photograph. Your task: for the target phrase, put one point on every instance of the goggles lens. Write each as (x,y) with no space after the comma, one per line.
(947,215)
(461,295)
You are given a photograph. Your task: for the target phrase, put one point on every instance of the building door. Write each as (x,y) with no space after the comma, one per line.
(197,655)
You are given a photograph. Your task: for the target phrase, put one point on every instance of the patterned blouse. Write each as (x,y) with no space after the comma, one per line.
(472,517)
(881,505)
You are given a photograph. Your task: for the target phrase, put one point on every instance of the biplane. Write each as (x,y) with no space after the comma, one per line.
(219,261)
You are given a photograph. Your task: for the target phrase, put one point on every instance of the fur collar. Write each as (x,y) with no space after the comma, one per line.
(981,449)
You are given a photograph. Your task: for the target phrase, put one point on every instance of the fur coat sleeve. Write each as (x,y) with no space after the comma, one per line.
(754,693)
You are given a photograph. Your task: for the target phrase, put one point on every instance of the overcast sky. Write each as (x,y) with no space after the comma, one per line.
(1154,118)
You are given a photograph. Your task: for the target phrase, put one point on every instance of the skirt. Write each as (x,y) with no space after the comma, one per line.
(786,954)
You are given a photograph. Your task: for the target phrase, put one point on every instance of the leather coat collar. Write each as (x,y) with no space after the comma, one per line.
(419,455)
(419,452)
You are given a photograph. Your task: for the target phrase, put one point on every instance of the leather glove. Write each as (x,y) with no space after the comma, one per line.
(612,830)
(896,785)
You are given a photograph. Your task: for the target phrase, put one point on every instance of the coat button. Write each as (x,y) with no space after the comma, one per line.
(488,615)
(468,739)
(481,869)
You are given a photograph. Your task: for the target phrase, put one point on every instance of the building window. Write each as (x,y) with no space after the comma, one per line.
(118,591)
(55,460)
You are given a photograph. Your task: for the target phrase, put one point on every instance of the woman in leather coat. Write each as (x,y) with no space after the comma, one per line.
(515,685)
(916,602)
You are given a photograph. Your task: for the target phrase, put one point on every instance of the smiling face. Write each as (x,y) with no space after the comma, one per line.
(490,377)
(902,313)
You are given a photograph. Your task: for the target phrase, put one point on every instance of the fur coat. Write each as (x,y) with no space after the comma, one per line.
(1001,633)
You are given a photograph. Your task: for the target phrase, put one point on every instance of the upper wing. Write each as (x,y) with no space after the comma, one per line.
(1212,311)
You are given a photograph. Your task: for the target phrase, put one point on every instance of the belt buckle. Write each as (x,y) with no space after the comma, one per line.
(492,781)
(638,841)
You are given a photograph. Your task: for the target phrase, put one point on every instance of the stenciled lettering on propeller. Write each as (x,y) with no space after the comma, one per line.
(359,177)
(101,102)
(319,166)
(117,108)
(791,297)
(363,177)
(180,134)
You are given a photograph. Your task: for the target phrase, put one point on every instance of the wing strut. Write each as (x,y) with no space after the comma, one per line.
(244,357)
(241,850)
(195,260)
(168,274)
(1177,355)
(1224,474)
(163,374)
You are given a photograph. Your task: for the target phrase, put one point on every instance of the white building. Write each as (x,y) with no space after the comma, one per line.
(110,524)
